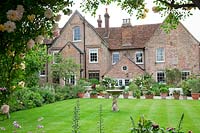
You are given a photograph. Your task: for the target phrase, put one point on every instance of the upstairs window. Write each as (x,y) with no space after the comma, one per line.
(93,55)
(139,57)
(76,34)
(115,57)
(160,55)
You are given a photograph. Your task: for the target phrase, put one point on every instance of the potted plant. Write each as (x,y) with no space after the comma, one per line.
(194,85)
(93,93)
(149,94)
(164,92)
(185,88)
(176,94)
(126,93)
(137,93)
(132,87)
(100,90)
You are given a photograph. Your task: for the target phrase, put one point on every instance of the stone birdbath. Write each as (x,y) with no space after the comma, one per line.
(115,94)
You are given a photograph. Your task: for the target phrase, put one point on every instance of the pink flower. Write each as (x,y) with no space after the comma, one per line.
(10,26)
(30,44)
(56,33)
(48,14)
(12,15)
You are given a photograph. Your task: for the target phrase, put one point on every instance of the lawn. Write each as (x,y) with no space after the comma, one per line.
(58,116)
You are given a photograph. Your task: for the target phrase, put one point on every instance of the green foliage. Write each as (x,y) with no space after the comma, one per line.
(148,126)
(25,99)
(35,60)
(173,77)
(133,86)
(66,68)
(193,84)
(94,81)
(176,9)
(100,122)
(22,27)
(108,82)
(76,118)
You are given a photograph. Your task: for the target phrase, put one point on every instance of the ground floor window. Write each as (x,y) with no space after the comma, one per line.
(72,80)
(42,71)
(94,75)
(160,76)
(185,74)
(122,82)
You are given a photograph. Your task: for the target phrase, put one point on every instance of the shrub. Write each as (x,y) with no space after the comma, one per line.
(25,99)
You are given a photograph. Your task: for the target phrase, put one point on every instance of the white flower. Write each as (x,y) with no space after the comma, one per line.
(57,18)
(22,55)
(39,39)
(30,44)
(22,66)
(21,83)
(48,14)
(12,15)
(20,9)
(10,26)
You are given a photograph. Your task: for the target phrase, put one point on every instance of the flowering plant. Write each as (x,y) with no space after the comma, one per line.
(22,27)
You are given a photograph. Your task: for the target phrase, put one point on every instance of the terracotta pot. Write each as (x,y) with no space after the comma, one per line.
(149,96)
(176,96)
(195,96)
(81,95)
(126,95)
(93,96)
(163,95)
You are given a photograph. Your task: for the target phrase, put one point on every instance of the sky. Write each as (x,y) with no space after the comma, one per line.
(192,23)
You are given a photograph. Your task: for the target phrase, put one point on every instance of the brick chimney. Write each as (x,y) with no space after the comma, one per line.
(106,15)
(99,21)
(127,35)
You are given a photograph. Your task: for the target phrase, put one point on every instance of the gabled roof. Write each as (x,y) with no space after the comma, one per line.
(140,35)
(68,43)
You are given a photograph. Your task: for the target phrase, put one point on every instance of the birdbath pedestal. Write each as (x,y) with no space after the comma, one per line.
(115,94)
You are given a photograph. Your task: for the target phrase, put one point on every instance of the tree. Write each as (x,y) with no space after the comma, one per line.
(23,24)
(65,68)
(175,9)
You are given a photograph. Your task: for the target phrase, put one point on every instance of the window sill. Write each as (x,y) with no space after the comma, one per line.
(93,62)
(139,63)
(42,75)
(76,41)
(159,62)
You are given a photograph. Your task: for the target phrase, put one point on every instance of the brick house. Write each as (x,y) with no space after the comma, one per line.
(127,51)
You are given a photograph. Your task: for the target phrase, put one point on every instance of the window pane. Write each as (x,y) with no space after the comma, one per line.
(93,55)
(126,82)
(139,56)
(94,75)
(185,75)
(160,54)
(115,57)
(160,77)
(77,34)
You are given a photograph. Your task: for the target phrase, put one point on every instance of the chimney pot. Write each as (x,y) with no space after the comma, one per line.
(99,21)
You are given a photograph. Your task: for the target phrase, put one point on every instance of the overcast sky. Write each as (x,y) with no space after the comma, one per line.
(116,15)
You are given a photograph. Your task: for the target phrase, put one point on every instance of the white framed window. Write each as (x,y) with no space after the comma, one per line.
(76,34)
(94,74)
(115,57)
(185,74)
(139,57)
(160,76)
(55,56)
(122,82)
(93,55)
(160,55)
(72,80)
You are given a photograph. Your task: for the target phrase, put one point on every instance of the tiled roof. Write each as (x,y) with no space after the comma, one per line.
(140,35)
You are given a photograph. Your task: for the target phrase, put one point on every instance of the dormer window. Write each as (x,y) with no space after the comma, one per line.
(76,34)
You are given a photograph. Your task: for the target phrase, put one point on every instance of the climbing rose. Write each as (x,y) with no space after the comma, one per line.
(30,44)
(39,39)
(48,13)
(10,26)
